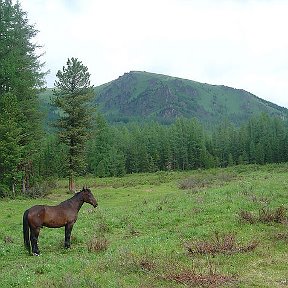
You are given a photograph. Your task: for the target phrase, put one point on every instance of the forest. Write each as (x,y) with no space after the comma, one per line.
(184,145)
(30,157)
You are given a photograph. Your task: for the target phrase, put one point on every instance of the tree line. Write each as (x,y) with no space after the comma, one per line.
(184,145)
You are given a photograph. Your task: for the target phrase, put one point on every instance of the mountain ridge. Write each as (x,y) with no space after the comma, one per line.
(138,94)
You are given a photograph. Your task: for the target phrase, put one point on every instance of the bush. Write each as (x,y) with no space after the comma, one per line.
(40,190)
(247,216)
(97,244)
(265,215)
(205,180)
(225,243)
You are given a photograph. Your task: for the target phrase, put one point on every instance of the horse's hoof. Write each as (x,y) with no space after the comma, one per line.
(36,254)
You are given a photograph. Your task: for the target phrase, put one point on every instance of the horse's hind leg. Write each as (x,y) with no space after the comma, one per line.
(34,233)
(68,229)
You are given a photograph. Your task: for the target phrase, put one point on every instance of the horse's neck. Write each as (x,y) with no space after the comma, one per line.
(76,201)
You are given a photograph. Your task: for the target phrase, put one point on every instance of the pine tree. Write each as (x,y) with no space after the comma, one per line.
(73,94)
(20,76)
(116,162)
(10,149)
(98,148)
(53,157)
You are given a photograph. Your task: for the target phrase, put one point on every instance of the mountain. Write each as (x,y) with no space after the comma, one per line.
(142,96)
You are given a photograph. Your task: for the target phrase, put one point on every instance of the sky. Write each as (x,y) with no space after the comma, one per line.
(237,43)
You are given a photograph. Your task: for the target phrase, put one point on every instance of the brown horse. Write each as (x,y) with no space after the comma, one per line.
(64,214)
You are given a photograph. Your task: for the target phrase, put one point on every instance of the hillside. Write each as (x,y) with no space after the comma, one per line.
(142,96)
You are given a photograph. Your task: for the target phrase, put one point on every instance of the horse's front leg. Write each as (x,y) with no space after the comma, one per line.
(68,229)
(34,233)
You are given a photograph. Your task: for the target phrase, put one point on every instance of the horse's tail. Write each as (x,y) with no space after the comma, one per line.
(26,229)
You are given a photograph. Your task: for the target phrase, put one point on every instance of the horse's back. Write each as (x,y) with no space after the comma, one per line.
(48,216)
(55,216)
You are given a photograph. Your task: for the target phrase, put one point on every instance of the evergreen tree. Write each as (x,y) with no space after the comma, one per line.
(10,148)
(20,76)
(179,144)
(99,147)
(73,94)
(224,142)
(164,149)
(116,162)
(153,145)
(53,157)
(137,151)
(195,145)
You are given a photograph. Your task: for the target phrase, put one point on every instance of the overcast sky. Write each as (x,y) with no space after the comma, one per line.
(237,43)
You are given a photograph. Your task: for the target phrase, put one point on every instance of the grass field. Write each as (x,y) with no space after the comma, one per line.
(213,228)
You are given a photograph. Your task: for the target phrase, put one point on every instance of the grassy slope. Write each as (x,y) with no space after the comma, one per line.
(153,95)
(147,220)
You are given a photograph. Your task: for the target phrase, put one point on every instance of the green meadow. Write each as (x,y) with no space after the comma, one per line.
(206,228)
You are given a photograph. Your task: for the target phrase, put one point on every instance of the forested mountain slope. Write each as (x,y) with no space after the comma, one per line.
(142,95)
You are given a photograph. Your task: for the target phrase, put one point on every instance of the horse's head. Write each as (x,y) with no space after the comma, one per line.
(88,197)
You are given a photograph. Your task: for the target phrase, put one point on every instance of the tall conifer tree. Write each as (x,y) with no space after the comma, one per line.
(20,77)
(73,94)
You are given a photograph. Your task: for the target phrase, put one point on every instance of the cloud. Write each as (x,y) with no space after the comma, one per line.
(235,43)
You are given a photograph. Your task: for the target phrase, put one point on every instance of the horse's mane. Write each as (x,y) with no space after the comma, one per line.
(73,197)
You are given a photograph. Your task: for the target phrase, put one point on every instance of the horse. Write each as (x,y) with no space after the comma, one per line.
(64,214)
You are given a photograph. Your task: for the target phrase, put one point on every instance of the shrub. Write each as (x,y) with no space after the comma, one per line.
(8,240)
(194,182)
(282,236)
(40,189)
(225,243)
(97,244)
(265,215)
(246,216)
(202,181)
